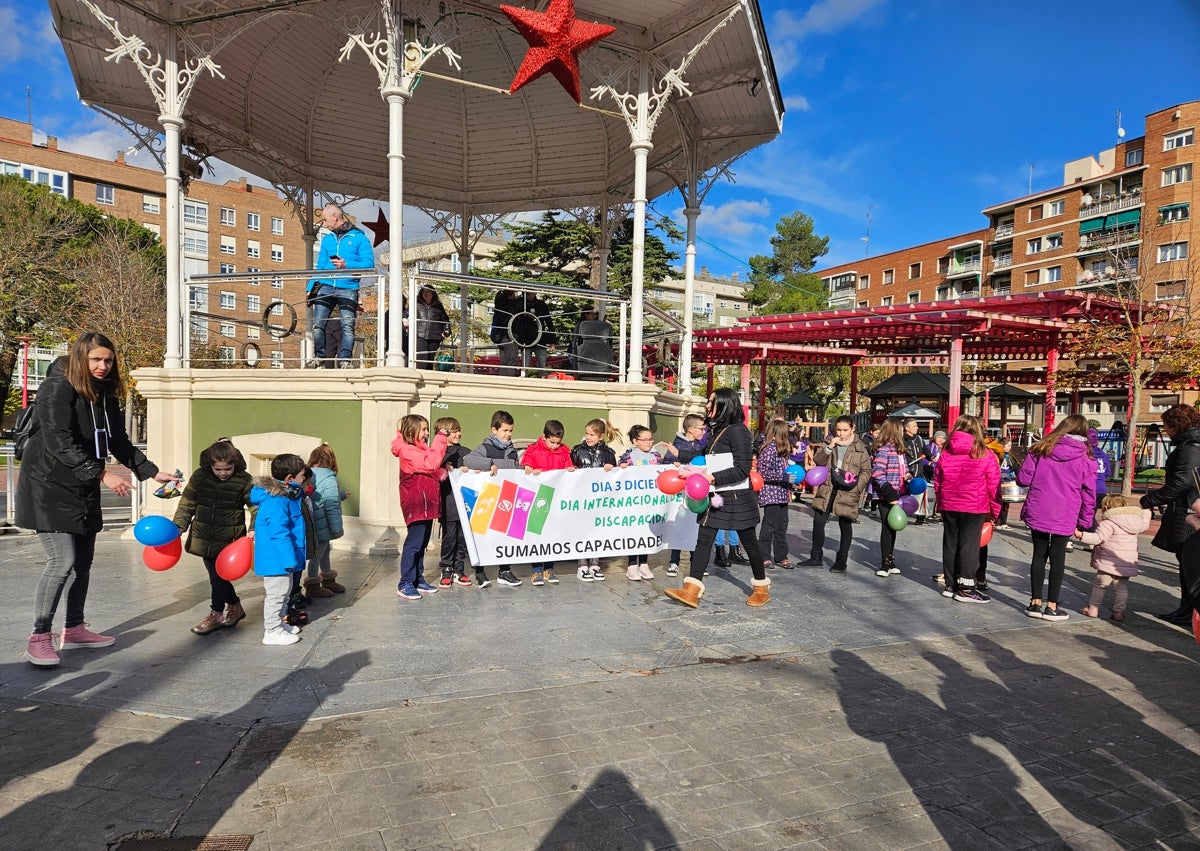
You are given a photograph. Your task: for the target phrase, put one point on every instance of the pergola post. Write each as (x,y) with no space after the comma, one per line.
(1051,375)
(745,388)
(954,403)
(762,395)
(853,405)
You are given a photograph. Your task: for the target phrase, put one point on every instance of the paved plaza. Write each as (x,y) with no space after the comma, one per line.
(852,712)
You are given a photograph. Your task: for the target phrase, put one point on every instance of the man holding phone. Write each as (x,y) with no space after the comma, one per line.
(343,246)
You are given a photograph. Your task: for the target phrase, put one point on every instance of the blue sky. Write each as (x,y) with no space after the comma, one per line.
(924,113)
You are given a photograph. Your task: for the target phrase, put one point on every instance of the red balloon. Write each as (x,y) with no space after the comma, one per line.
(163,557)
(985,534)
(1196,624)
(756,480)
(236,559)
(670,482)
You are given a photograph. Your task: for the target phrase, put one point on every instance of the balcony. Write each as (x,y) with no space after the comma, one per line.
(1111,204)
(1090,243)
(969,267)
(1004,231)
(1107,278)
(1001,261)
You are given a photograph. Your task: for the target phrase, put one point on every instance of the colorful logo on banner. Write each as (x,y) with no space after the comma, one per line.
(508,508)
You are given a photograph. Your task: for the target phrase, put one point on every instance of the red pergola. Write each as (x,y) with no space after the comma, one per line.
(1033,326)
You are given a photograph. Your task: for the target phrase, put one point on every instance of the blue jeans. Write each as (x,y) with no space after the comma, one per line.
(324,298)
(727,539)
(412,556)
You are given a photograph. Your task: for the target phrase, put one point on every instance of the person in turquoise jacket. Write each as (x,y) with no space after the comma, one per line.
(344,246)
(279,536)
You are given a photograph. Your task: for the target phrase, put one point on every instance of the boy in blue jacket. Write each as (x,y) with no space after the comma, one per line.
(279,549)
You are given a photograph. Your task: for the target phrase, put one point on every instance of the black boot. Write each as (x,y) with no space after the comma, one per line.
(737,556)
(722,559)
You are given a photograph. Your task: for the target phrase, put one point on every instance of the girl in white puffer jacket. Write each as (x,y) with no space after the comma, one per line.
(1114,552)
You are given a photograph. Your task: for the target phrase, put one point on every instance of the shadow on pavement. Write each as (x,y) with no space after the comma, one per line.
(601,819)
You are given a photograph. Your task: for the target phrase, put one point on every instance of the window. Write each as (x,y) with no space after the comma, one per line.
(198,298)
(889,277)
(276,360)
(1054,274)
(1182,139)
(276,226)
(1034,245)
(1172,251)
(195,213)
(252,249)
(199,330)
(943,265)
(227,330)
(253,281)
(228,269)
(105,194)
(1178,174)
(864,282)
(1036,212)
(277,308)
(276,253)
(228,300)
(56,180)
(1133,156)
(914,297)
(277,284)
(252,221)
(226,354)
(228,217)
(1168,290)
(887,301)
(1174,213)
(1032,278)
(1117,407)
(252,333)
(945,292)
(195,242)
(1056,207)
(151,204)
(1158,404)
(1053,241)
(228,244)
(845,281)
(1002,286)
(1092,406)
(914,271)
(253,305)
(862,304)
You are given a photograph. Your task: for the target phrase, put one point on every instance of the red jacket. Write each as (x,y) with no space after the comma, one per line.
(967,484)
(539,456)
(420,487)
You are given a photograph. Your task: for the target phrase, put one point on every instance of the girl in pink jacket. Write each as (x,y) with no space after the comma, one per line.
(967,482)
(1114,553)
(420,498)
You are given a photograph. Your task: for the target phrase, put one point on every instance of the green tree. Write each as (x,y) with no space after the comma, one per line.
(783,282)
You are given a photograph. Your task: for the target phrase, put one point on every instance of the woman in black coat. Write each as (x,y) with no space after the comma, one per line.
(739,508)
(433,326)
(1181,423)
(79,423)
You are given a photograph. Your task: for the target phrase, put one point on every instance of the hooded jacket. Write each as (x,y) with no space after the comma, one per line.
(856,460)
(1062,488)
(420,470)
(59,487)
(540,456)
(213,512)
(352,245)
(1115,540)
(279,532)
(1177,492)
(590,457)
(327,505)
(967,484)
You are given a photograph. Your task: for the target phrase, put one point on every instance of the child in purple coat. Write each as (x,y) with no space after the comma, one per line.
(1060,472)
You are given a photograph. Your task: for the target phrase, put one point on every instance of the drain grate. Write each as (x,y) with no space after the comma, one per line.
(187,843)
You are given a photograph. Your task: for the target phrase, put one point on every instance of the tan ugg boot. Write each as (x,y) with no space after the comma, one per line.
(329,580)
(760,595)
(313,587)
(689,594)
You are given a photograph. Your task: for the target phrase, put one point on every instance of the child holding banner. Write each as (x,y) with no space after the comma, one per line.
(591,453)
(640,453)
(547,453)
(420,498)
(496,452)
(454,542)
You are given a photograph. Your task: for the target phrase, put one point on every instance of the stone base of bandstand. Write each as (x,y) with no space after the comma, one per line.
(267,412)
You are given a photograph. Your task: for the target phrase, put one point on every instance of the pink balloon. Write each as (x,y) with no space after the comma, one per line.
(816,476)
(696,486)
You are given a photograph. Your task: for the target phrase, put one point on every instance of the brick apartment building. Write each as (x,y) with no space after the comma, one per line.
(235,227)
(1119,217)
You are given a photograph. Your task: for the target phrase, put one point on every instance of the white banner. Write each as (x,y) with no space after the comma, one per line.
(512,518)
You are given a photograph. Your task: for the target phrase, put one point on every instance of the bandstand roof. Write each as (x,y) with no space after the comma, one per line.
(286,108)
(1010,327)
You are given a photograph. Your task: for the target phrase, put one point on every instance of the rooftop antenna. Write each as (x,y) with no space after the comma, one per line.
(867,239)
(29,104)
(1120,129)
(1031,178)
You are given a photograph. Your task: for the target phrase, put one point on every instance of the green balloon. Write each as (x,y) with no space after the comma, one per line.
(896,518)
(696,506)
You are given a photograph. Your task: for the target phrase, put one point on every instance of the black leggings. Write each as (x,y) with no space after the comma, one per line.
(887,535)
(705,538)
(1054,547)
(845,528)
(223,593)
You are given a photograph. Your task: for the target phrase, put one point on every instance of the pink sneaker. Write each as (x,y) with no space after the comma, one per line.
(645,571)
(633,574)
(77,637)
(40,651)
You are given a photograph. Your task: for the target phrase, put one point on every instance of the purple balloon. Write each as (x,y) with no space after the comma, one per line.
(696,486)
(909,505)
(816,476)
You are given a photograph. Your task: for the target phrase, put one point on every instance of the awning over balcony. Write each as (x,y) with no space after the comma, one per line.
(1125,217)
(1092,225)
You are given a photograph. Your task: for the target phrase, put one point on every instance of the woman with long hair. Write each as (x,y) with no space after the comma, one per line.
(79,424)
(433,326)
(738,508)
(1181,423)
(967,480)
(889,471)
(1060,473)
(844,451)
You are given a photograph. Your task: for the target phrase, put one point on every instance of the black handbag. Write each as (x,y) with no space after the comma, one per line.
(842,480)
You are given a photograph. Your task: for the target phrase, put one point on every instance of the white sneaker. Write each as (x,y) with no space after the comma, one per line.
(279,637)
(291,628)
(597,573)
(672,569)
(584,574)
(633,574)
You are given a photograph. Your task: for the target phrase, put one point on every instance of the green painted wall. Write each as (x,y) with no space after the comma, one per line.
(338,423)
(476,420)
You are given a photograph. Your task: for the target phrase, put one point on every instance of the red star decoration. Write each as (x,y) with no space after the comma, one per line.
(380,228)
(556,38)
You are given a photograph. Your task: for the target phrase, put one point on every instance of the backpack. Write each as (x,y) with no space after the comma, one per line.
(23,429)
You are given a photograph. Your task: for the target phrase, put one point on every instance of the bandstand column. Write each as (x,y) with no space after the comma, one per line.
(641,152)
(690,214)
(172,128)
(396,96)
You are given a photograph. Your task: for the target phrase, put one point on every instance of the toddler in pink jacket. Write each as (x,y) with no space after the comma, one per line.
(1114,552)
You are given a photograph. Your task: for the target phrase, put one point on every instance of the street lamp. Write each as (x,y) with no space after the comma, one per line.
(24,341)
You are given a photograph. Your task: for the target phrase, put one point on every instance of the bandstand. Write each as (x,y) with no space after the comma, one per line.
(436,104)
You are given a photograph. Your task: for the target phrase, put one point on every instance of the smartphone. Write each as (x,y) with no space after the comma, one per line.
(334,257)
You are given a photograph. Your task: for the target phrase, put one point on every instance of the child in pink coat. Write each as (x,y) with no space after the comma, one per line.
(1114,553)
(420,498)
(967,481)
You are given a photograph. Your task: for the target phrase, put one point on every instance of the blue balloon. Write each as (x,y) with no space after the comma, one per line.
(155,530)
(699,461)
(917,486)
(795,473)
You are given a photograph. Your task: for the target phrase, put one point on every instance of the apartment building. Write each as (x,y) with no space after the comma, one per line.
(231,228)
(1119,217)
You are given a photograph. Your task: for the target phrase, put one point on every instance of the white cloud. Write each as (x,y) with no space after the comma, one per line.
(823,18)
(798,103)
(734,220)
